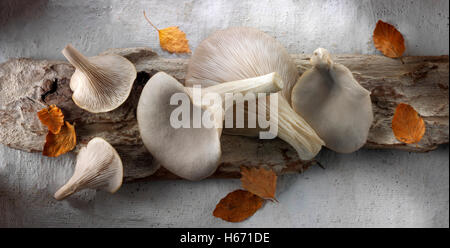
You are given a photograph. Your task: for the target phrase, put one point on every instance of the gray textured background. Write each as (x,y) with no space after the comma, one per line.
(369,188)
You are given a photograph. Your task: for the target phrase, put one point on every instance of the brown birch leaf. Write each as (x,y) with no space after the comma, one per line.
(260,182)
(388,40)
(238,206)
(407,125)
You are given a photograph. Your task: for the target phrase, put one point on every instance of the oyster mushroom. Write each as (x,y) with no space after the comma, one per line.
(241,52)
(98,166)
(190,152)
(100,83)
(333,103)
(238,53)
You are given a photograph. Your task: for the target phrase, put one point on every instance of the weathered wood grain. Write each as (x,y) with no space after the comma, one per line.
(27,85)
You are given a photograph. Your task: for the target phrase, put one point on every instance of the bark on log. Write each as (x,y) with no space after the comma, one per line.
(26,84)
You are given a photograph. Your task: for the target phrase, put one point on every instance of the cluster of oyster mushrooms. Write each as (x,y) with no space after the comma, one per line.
(326,106)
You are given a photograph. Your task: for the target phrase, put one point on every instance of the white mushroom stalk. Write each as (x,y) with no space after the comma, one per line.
(268,83)
(98,167)
(189,151)
(333,103)
(238,53)
(100,83)
(293,129)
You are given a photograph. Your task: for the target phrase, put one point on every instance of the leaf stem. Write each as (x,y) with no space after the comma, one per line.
(146,18)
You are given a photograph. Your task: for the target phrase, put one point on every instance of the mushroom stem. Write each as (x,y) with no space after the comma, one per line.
(263,84)
(68,189)
(268,83)
(78,60)
(293,129)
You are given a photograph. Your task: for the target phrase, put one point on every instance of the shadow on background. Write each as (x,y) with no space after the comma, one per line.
(11,10)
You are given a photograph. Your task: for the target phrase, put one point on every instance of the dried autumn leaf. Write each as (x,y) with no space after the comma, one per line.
(52,117)
(57,144)
(407,125)
(172,39)
(238,206)
(259,181)
(388,40)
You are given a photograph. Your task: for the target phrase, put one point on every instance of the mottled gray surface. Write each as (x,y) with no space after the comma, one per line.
(363,189)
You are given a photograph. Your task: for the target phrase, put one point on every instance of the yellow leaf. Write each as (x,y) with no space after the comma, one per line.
(57,144)
(238,206)
(52,117)
(259,181)
(172,39)
(407,125)
(388,40)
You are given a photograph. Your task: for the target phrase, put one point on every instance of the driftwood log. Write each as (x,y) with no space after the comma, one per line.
(27,85)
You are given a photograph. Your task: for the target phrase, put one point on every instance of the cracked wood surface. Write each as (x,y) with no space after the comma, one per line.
(27,85)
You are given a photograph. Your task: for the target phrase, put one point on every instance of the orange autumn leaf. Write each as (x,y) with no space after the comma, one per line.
(238,206)
(52,117)
(388,40)
(57,144)
(407,125)
(259,181)
(172,39)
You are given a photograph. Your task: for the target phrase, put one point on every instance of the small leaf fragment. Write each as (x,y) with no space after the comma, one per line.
(238,206)
(259,181)
(407,125)
(388,40)
(63,142)
(52,117)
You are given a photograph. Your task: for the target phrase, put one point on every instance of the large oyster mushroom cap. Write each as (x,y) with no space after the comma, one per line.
(238,53)
(191,153)
(330,99)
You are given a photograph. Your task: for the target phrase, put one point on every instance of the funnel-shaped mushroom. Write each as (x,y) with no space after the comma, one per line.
(190,152)
(98,167)
(100,83)
(333,103)
(241,52)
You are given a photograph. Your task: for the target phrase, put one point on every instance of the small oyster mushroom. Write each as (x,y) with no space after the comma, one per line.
(189,152)
(98,167)
(100,83)
(333,103)
(241,52)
